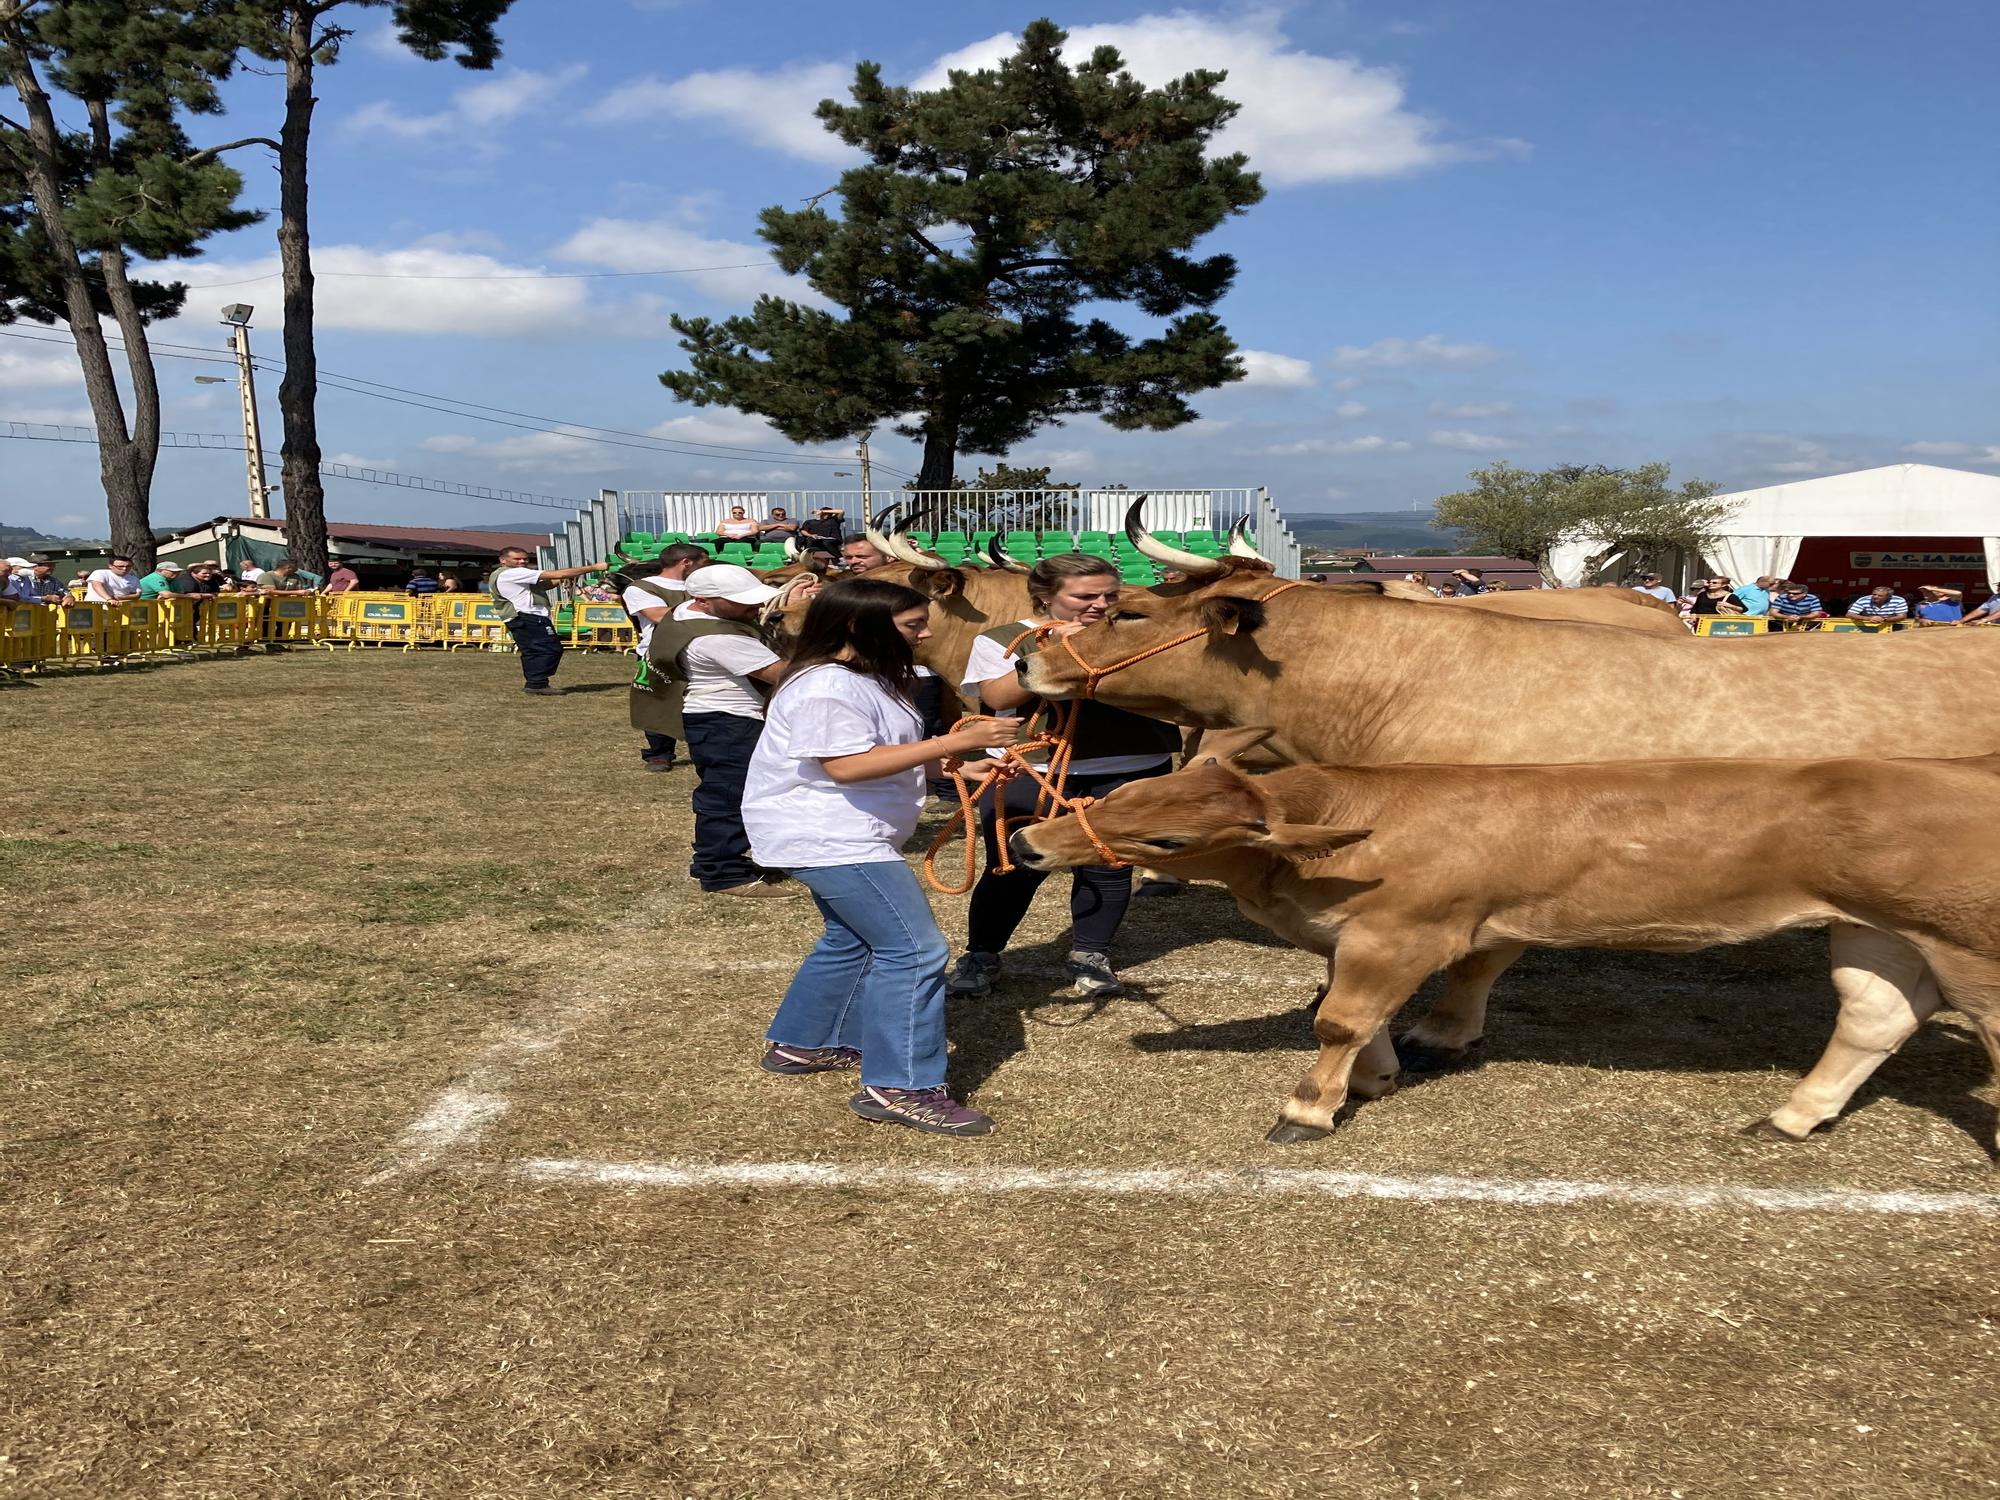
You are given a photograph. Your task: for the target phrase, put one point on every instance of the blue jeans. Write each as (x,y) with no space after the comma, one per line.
(541,647)
(876,980)
(720,745)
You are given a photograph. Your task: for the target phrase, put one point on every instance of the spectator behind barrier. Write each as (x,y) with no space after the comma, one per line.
(113,582)
(341,578)
(164,579)
(1986,614)
(1469,581)
(1938,605)
(1880,603)
(14,585)
(422,582)
(44,585)
(1714,597)
(448,584)
(1796,602)
(1756,597)
(286,577)
(1651,583)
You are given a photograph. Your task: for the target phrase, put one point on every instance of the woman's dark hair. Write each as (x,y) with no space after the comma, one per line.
(853,621)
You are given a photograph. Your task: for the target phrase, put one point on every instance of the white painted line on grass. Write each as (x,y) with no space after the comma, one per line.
(1269,1182)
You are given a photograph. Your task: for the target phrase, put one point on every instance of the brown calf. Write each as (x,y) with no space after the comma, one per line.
(1891,855)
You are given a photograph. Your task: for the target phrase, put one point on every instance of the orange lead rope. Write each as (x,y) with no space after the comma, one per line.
(1060,742)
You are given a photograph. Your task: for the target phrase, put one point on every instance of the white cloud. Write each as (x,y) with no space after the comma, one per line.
(432,290)
(71,521)
(26,364)
(1473,442)
(1305,117)
(1350,410)
(1783,455)
(1472,410)
(1372,443)
(360,461)
(476,107)
(1974,453)
(1429,352)
(1350,382)
(51,416)
(773,108)
(737,271)
(1265,369)
(559,452)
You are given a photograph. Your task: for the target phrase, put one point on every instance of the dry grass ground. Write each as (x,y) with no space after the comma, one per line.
(259,913)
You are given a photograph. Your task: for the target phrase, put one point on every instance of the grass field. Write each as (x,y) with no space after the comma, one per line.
(311,960)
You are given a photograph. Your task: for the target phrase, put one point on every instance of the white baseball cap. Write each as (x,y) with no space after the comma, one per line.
(19,562)
(170,567)
(729,581)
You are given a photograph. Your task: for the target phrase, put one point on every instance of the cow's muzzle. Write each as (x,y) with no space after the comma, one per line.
(1024,854)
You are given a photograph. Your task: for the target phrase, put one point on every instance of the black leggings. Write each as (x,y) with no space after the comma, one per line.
(1098,894)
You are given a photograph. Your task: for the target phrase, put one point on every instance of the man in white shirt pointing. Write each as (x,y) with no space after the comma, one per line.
(521,594)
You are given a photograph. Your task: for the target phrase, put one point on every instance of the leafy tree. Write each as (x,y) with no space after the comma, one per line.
(987,213)
(304,36)
(1520,513)
(75,206)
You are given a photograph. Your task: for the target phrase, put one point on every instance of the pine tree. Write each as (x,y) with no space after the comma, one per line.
(76,205)
(988,213)
(305,36)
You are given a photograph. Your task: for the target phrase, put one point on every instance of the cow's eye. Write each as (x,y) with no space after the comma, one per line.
(1128,614)
(1167,843)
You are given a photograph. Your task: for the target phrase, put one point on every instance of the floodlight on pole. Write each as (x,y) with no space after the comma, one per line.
(236,318)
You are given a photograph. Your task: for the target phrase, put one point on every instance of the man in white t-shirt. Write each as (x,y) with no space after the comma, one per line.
(715,667)
(113,583)
(521,593)
(648,601)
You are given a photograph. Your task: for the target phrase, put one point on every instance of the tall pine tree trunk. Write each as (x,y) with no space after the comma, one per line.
(305,497)
(940,466)
(117,454)
(145,448)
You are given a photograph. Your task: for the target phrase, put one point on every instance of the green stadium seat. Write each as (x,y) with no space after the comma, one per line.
(1064,540)
(921,538)
(1095,548)
(1192,538)
(670,538)
(1146,576)
(735,551)
(953,538)
(981,538)
(707,539)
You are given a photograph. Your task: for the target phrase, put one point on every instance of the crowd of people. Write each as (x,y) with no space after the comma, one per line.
(1794,604)
(28,582)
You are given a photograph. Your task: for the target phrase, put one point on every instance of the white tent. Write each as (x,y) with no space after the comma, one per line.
(1762,536)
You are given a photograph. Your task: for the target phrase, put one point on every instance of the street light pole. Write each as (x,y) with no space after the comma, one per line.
(236,318)
(867,497)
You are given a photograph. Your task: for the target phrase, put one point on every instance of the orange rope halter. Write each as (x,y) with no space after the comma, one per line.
(1060,741)
(1094,675)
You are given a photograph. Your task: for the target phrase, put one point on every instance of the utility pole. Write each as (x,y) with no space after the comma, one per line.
(867,495)
(236,318)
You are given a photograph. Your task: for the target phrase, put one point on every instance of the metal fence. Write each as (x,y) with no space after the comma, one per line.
(617,513)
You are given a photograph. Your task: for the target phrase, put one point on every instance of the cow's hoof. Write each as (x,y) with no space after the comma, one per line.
(1423,1057)
(1291,1133)
(1764,1130)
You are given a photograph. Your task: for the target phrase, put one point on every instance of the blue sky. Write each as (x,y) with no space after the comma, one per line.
(1755,240)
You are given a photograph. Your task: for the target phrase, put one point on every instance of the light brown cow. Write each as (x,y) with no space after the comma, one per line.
(1889,854)
(1348,675)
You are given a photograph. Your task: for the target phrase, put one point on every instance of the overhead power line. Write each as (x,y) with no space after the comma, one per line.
(582,432)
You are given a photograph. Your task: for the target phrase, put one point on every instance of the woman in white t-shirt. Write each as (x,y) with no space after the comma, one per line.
(834,791)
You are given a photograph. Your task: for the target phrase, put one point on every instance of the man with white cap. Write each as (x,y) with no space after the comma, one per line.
(39,581)
(711,668)
(15,584)
(164,579)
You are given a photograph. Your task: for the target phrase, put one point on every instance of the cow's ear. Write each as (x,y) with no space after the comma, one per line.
(1228,615)
(1308,841)
(1233,747)
(938,583)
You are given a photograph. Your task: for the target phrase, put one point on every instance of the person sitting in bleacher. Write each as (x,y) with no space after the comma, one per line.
(1795,602)
(1880,603)
(738,527)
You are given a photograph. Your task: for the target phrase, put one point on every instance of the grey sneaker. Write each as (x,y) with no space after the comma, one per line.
(1093,975)
(792,1061)
(973,974)
(932,1111)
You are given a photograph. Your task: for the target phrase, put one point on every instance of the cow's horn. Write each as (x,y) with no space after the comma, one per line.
(1171,557)
(997,555)
(904,550)
(876,538)
(792,549)
(1240,544)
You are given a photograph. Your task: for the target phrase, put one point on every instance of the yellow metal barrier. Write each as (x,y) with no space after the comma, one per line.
(605,626)
(27,635)
(227,621)
(1728,625)
(468,620)
(80,633)
(289,617)
(376,619)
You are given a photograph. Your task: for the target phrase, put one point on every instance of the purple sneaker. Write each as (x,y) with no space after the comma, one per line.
(792,1061)
(932,1111)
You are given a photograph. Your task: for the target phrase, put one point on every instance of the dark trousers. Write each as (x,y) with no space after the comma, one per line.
(658,746)
(541,648)
(1098,894)
(720,746)
(930,702)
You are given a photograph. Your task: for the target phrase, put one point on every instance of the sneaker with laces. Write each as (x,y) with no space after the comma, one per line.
(1092,975)
(793,1061)
(932,1111)
(973,974)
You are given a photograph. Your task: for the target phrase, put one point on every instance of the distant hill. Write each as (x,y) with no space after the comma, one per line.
(1396,531)
(25,539)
